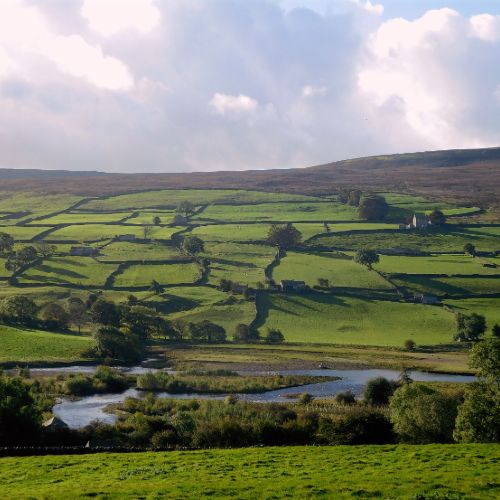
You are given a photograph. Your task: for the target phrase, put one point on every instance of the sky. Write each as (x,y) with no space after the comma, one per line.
(200,85)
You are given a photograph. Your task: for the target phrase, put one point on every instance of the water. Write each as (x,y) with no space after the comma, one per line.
(82,412)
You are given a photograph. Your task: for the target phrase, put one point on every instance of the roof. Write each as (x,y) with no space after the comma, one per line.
(55,423)
(420,217)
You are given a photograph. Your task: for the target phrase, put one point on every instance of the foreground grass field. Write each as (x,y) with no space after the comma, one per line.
(391,472)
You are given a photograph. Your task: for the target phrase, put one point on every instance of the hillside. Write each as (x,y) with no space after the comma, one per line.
(466,176)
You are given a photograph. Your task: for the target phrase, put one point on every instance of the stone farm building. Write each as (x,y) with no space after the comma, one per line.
(419,221)
(83,251)
(126,237)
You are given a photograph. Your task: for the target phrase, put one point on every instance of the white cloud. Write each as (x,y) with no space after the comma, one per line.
(109,17)
(224,103)
(312,91)
(486,27)
(376,8)
(230,84)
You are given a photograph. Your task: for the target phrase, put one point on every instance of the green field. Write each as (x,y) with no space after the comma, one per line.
(341,272)
(434,264)
(84,218)
(23,233)
(448,239)
(96,232)
(330,319)
(450,286)
(344,472)
(293,212)
(238,262)
(25,345)
(125,251)
(490,308)
(73,270)
(147,217)
(165,274)
(170,198)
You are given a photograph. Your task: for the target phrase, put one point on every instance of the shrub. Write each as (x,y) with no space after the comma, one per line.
(422,415)
(378,391)
(274,336)
(345,398)
(410,345)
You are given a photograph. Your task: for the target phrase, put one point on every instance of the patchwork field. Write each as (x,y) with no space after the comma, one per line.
(329,319)
(360,306)
(343,472)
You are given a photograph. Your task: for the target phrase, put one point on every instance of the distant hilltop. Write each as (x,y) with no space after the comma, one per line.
(463,175)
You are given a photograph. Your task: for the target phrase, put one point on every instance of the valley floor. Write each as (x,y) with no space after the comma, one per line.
(391,472)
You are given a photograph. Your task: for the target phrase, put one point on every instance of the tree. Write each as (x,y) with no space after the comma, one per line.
(185,208)
(378,391)
(19,309)
(470,249)
(373,207)
(139,320)
(225,285)
(354,197)
(156,221)
(19,415)
(45,249)
(366,257)
(410,345)
(112,343)
(284,236)
(192,245)
(206,330)
(324,282)
(423,415)
(478,418)
(274,336)
(147,231)
(21,258)
(6,243)
(77,312)
(164,328)
(156,288)
(54,316)
(495,331)
(105,313)
(244,333)
(470,327)
(132,300)
(437,218)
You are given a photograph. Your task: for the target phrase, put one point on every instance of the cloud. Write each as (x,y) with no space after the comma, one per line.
(223,103)
(180,86)
(109,17)
(311,91)
(376,8)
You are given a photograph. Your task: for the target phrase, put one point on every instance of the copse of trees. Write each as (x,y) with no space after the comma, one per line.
(6,243)
(274,336)
(185,208)
(21,258)
(470,249)
(206,331)
(373,207)
(437,218)
(54,316)
(470,327)
(105,313)
(18,309)
(284,236)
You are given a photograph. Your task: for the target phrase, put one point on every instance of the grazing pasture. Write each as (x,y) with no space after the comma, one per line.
(84,218)
(125,251)
(26,346)
(23,233)
(68,270)
(340,270)
(489,307)
(165,274)
(96,232)
(434,264)
(280,212)
(170,198)
(334,319)
(450,286)
(340,472)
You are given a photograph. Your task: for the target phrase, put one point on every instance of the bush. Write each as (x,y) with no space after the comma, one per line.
(362,426)
(378,391)
(410,345)
(345,398)
(422,415)
(274,336)
(112,343)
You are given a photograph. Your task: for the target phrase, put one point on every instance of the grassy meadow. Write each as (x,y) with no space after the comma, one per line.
(334,319)
(343,472)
